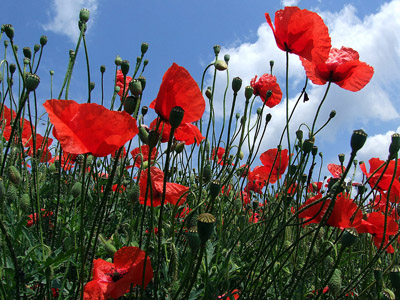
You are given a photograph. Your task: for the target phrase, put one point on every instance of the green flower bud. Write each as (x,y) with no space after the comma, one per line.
(102,68)
(221,65)
(43,40)
(76,189)
(217,49)
(143,135)
(26,61)
(248,92)
(117,89)
(176,116)
(9,30)
(259,111)
(27,52)
(14,175)
(332,114)
(237,116)
(133,193)
(205,226)
(13,67)
(144,47)
(236,84)
(31,81)
(130,104)
(179,147)
(142,82)
(207,174)
(15,48)
(145,62)
(125,67)
(335,283)
(227,57)
(36,48)
(25,202)
(118,60)
(153,139)
(138,60)
(268,118)
(84,15)
(358,140)
(299,134)
(268,95)
(394,146)
(92,85)
(135,86)
(5,43)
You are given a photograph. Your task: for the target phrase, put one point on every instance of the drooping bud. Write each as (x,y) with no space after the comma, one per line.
(179,147)
(125,67)
(84,15)
(27,52)
(268,95)
(299,134)
(108,246)
(205,226)
(31,81)
(118,60)
(221,65)
(217,49)
(335,283)
(9,30)
(144,47)
(143,135)
(102,68)
(248,92)
(236,84)
(358,140)
(176,116)
(43,40)
(208,92)
(135,86)
(394,146)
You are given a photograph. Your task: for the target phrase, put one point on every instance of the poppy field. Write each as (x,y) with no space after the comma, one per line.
(127,197)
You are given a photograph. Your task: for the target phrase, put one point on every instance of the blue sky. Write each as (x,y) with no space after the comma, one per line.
(185,32)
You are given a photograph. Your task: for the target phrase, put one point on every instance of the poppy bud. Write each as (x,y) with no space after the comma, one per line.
(125,67)
(143,135)
(135,86)
(236,84)
(43,40)
(259,111)
(142,82)
(358,140)
(227,57)
(349,237)
(153,138)
(108,246)
(130,104)
(13,67)
(215,188)
(84,15)
(394,146)
(176,116)
(31,81)
(102,68)
(207,174)
(314,150)
(27,52)
(193,239)
(341,158)
(5,43)
(144,47)
(388,294)
(117,89)
(308,144)
(26,61)
(179,147)
(92,85)
(36,48)
(118,60)
(237,116)
(145,62)
(205,226)
(221,65)
(9,30)
(76,189)
(217,49)
(138,60)
(299,134)
(12,193)
(248,92)
(15,47)
(332,114)
(25,202)
(335,283)
(208,92)
(14,175)
(144,110)
(268,118)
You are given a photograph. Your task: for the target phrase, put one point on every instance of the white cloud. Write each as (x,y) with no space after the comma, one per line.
(65,16)
(290,2)
(377,39)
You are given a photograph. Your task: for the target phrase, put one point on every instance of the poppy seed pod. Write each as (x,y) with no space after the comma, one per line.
(9,30)
(205,226)
(395,277)
(144,47)
(217,49)
(227,57)
(208,92)
(26,61)
(13,67)
(176,116)
(118,60)
(248,92)
(125,67)
(142,82)
(102,68)
(138,60)
(117,89)
(215,188)
(84,15)
(358,140)
(394,146)
(135,86)
(341,158)
(388,294)
(144,110)
(36,48)
(43,40)
(27,52)
(221,65)
(259,111)
(308,144)
(332,114)
(130,104)
(349,237)
(268,118)
(236,84)
(314,150)
(153,138)
(31,81)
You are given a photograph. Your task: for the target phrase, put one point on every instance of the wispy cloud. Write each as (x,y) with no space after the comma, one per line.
(64,16)
(290,2)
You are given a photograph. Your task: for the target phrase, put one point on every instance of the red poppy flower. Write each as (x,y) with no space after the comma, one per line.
(174,193)
(264,84)
(336,170)
(254,217)
(218,153)
(120,83)
(376,169)
(33,218)
(178,88)
(233,295)
(274,164)
(255,181)
(89,127)
(301,32)
(342,67)
(143,151)
(42,148)
(114,279)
